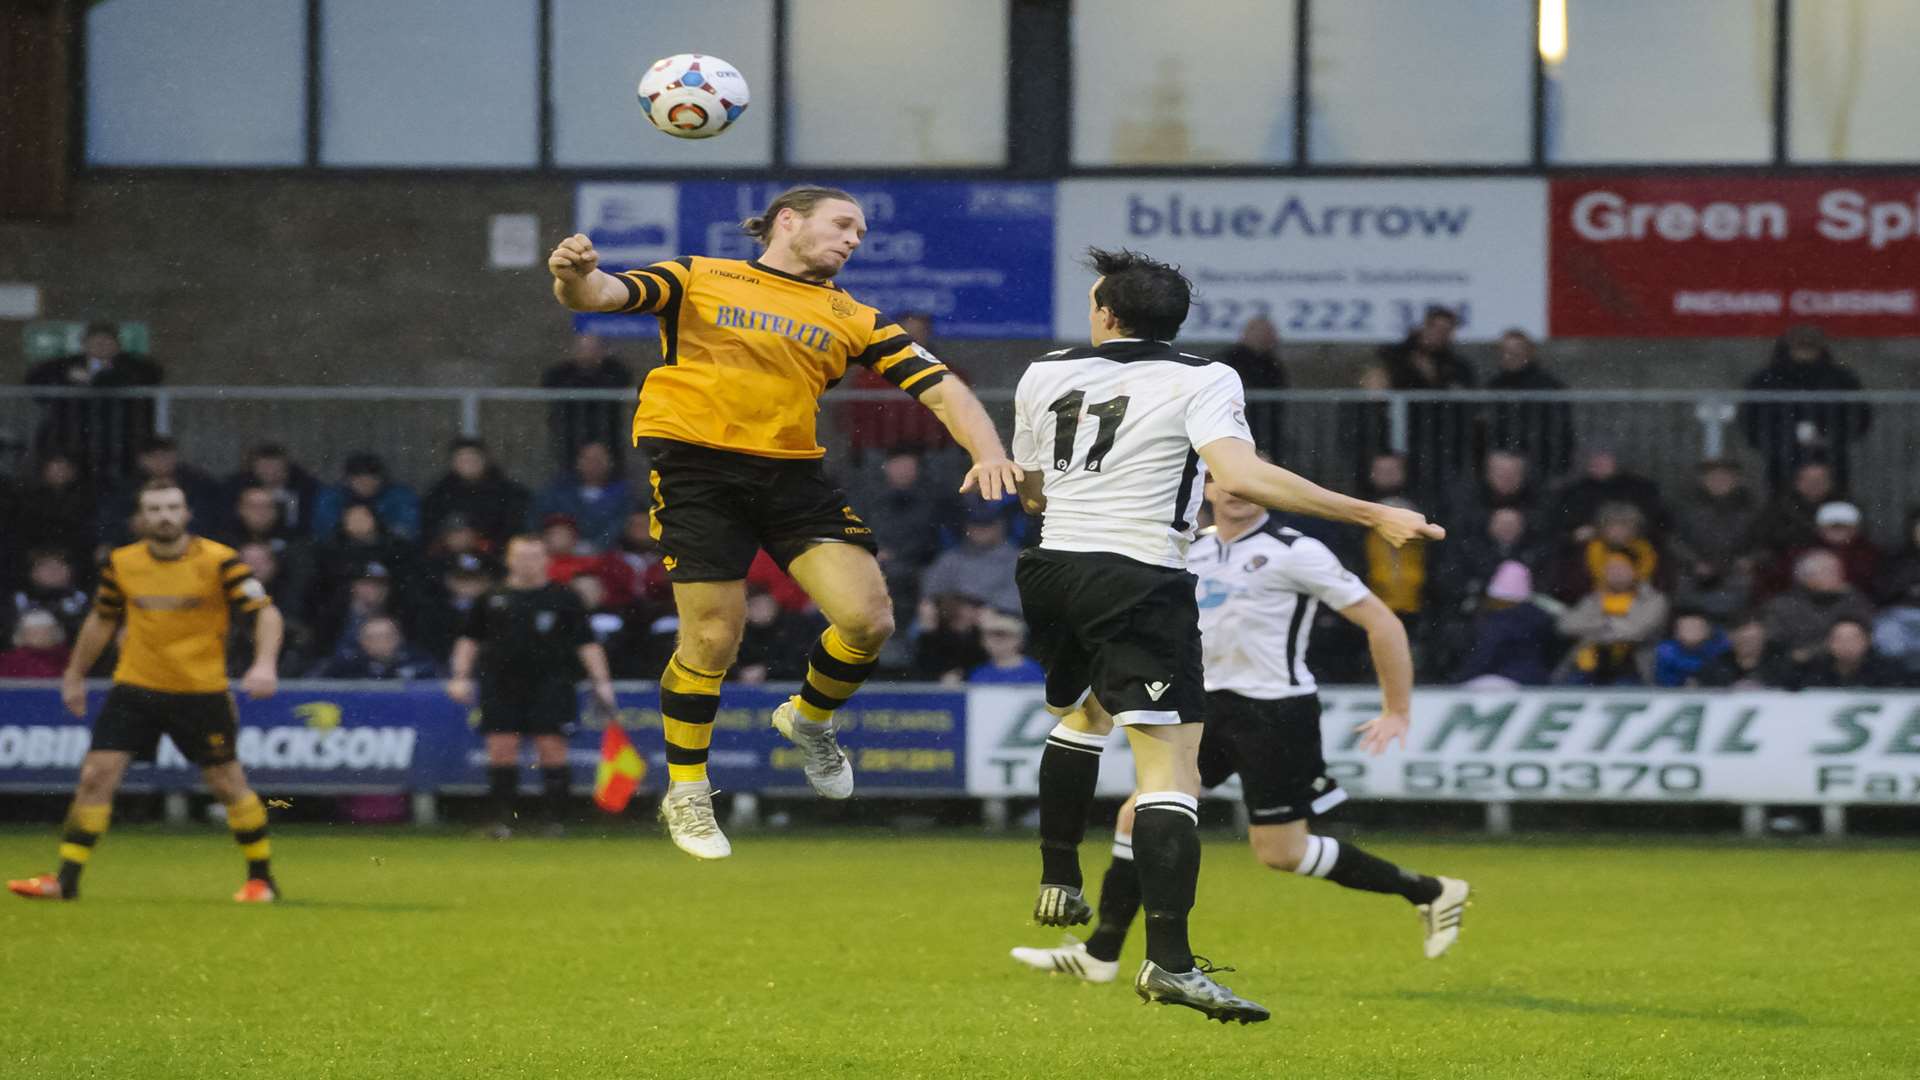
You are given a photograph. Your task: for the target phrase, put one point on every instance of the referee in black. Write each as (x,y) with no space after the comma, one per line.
(530,640)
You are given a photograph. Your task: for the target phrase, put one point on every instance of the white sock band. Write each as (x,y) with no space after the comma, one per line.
(1123,845)
(1067,738)
(1177,801)
(1322,852)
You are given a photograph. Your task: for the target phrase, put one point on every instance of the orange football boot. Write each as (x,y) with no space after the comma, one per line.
(41,887)
(256,891)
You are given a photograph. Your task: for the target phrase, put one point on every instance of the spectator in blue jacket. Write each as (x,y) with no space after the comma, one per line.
(1513,637)
(596,499)
(364,480)
(1694,644)
(379,651)
(1005,639)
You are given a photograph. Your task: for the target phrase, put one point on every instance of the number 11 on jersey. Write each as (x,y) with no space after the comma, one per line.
(1066,425)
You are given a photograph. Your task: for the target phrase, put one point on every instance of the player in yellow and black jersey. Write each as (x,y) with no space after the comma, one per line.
(171,596)
(728,423)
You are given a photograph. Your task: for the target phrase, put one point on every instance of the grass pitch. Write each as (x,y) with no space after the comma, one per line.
(861,954)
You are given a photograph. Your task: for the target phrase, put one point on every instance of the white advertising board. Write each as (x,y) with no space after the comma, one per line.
(1325,259)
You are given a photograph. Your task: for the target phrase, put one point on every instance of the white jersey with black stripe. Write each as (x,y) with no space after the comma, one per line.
(1115,430)
(1258,595)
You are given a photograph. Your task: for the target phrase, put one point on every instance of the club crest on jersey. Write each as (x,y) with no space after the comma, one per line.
(842,306)
(543,621)
(1255,563)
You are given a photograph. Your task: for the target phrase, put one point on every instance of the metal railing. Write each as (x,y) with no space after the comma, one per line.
(1872,438)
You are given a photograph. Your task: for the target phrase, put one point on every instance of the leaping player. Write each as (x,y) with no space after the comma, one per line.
(1117,439)
(728,423)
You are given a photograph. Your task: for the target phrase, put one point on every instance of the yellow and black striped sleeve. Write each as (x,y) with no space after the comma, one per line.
(245,594)
(896,358)
(656,289)
(108,601)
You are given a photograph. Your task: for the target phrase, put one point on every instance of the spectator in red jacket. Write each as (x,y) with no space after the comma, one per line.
(568,558)
(39,648)
(894,423)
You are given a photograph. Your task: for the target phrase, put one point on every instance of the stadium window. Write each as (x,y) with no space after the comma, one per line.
(897,82)
(1854,82)
(196,82)
(1141,96)
(1656,81)
(597,48)
(409,83)
(1410,81)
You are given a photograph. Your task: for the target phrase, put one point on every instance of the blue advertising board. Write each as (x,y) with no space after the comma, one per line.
(410,737)
(977,255)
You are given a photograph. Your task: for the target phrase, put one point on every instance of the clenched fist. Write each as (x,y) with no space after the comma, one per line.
(574,259)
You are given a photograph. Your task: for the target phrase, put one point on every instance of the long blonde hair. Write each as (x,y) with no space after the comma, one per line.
(801,199)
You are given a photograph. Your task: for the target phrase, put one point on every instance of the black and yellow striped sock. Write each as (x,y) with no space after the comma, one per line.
(835,671)
(84,826)
(689,697)
(247,817)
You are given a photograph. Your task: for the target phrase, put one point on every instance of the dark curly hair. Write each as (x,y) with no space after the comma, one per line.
(1148,297)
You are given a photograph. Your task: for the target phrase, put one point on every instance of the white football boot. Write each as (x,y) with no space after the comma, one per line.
(1442,917)
(688,811)
(827,767)
(1070,959)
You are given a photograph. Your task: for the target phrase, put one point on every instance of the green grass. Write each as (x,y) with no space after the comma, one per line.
(859,954)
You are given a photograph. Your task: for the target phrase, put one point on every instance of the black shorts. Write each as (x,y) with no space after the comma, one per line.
(203,727)
(1275,747)
(713,510)
(522,706)
(1125,630)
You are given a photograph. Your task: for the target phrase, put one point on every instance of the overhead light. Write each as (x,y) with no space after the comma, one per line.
(1553,31)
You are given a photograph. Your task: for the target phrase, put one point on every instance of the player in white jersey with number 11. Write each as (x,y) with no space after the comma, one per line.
(1117,440)
(1260,585)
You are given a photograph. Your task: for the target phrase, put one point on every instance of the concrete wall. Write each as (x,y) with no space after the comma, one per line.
(256,279)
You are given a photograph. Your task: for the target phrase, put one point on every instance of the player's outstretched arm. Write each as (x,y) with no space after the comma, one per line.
(96,633)
(262,677)
(1393,664)
(593,658)
(1236,466)
(578,281)
(460,686)
(993,473)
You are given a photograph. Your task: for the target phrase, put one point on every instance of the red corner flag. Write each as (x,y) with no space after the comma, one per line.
(621,768)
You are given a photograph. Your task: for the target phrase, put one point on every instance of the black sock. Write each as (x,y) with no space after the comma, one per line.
(70,878)
(260,868)
(503,787)
(1119,902)
(1069,768)
(1166,848)
(557,780)
(1347,865)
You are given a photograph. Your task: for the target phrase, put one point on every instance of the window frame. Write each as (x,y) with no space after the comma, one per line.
(1038,146)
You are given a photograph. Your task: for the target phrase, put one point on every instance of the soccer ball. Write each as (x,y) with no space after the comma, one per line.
(691,96)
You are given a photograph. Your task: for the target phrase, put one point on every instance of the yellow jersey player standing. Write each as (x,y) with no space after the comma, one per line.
(175,595)
(728,423)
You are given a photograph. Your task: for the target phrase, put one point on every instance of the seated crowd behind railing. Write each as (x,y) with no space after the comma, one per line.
(1563,566)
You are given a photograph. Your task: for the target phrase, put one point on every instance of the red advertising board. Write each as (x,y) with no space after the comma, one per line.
(1706,256)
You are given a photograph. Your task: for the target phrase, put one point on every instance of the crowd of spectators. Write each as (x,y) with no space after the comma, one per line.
(1562,567)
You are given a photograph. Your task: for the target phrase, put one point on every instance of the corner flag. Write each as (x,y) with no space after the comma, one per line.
(621,768)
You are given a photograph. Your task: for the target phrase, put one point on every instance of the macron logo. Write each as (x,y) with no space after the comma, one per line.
(1156,689)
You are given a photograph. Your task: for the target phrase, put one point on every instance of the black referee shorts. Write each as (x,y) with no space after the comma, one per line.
(517,705)
(1125,630)
(203,727)
(1275,748)
(713,510)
